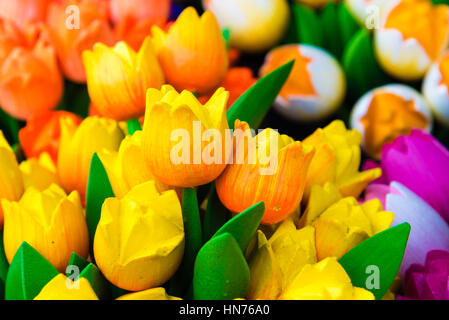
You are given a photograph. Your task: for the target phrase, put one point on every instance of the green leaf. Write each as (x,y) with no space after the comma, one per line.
(244,225)
(4,265)
(216,214)
(384,251)
(193,241)
(97,281)
(10,127)
(331,29)
(133,126)
(227,37)
(28,273)
(363,73)
(76,261)
(308,26)
(98,189)
(254,104)
(348,24)
(221,271)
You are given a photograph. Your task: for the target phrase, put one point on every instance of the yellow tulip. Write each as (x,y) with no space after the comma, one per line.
(50,221)
(62,288)
(39,173)
(11,183)
(345,224)
(150,294)
(118,77)
(192,53)
(276,262)
(126,168)
(325,280)
(173,116)
(78,144)
(139,242)
(337,160)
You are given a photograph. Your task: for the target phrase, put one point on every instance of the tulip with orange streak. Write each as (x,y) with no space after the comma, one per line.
(118,77)
(24,11)
(79,143)
(69,40)
(42,133)
(192,53)
(30,80)
(184,142)
(278,180)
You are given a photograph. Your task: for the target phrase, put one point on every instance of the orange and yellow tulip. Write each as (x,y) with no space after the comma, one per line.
(79,143)
(50,221)
(192,53)
(171,116)
(118,77)
(11,183)
(30,68)
(42,133)
(281,186)
(23,12)
(72,36)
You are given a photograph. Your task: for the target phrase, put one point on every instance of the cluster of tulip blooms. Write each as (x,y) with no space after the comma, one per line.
(113,206)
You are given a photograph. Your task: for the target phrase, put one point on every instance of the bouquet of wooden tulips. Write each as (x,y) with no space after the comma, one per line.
(140,158)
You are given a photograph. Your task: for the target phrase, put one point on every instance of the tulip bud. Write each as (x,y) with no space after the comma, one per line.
(269,167)
(325,280)
(42,133)
(246,19)
(75,26)
(24,11)
(11,183)
(316,85)
(337,160)
(50,221)
(157,11)
(201,156)
(62,288)
(435,89)
(412,34)
(139,242)
(127,168)
(150,294)
(190,45)
(39,173)
(79,143)
(30,68)
(387,112)
(128,76)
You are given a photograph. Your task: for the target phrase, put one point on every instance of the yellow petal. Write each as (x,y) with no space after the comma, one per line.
(62,288)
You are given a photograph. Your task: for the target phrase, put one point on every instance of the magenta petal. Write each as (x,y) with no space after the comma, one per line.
(420,163)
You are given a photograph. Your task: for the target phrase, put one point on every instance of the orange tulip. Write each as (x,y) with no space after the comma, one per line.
(30,80)
(237,81)
(24,11)
(192,53)
(281,187)
(156,11)
(10,37)
(42,133)
(71,36)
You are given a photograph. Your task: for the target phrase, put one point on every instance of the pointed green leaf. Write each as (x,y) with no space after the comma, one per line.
(76,261)
(308,26)
(193,241)
(244,225)
(216,214)
(254,104)
(133,126)
(221,271)
(381,255)
(98,189)
(28,273)
(363,73)
(331,29)
(348,24)
(97,281)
